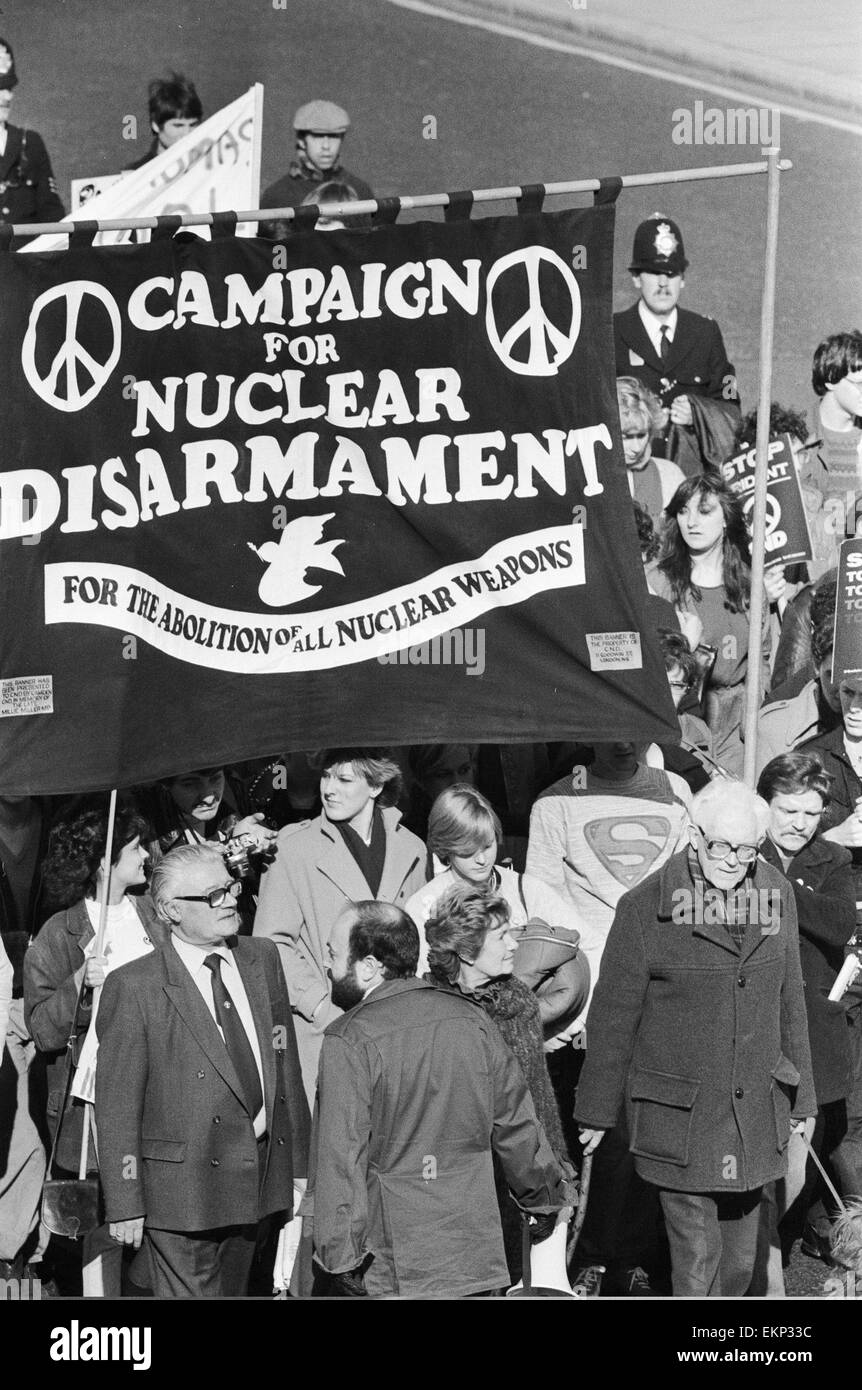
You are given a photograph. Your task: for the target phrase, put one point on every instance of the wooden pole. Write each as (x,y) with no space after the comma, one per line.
(407,203)
(758,538)
(106,876)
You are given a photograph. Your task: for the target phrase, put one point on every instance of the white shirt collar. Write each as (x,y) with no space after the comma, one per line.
(653,324)
(193,957)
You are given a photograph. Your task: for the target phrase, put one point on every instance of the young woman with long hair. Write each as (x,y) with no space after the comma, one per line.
(705,568)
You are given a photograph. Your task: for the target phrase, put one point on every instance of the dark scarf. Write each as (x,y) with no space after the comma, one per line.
(369,857)
(729,906)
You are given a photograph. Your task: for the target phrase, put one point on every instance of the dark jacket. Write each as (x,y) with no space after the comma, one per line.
(28,192)
(416,1088)
(290,190)
(707,1045)
(15,932)
(823,887)
(845,789)
(50,993)
(176,1143)
(696,365)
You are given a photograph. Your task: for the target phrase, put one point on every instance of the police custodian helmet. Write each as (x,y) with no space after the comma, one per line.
(658,247)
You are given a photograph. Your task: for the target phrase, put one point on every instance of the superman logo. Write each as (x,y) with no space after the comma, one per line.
(628,846)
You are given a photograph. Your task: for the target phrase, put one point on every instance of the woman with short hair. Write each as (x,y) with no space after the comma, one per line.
(471,948)
(464,834)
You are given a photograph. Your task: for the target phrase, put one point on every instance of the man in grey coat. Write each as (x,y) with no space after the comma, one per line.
(417,1090)
(698,1022)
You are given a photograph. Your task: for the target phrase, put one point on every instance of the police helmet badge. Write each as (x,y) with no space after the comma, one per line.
(666,244)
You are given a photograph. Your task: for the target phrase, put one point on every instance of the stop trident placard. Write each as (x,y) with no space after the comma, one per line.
(787,538)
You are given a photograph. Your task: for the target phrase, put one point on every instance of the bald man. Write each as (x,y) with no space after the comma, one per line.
(698,1025)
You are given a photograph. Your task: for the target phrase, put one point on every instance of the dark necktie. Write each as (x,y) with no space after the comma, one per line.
(664,348)
(236,1039)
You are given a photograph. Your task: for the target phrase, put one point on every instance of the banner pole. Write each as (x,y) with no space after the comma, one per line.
(407,203)
(257,145)
(106,877)
(758,537)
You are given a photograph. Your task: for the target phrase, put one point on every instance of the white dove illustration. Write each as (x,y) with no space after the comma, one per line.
(298,549)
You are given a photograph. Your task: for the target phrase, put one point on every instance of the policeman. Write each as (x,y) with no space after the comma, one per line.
(678,354)
(320,128)
(28,192)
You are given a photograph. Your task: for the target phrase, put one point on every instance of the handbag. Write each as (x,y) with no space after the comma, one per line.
(549,961)
(70,1206)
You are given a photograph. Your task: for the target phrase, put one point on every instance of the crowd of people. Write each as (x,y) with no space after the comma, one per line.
(372,1021)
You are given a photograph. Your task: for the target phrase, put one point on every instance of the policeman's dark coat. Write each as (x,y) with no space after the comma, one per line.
(176,1143)
(28,192)
(822,882)
(707,1046)
(697,362)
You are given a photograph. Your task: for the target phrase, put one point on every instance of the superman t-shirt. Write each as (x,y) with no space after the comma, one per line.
(593,842)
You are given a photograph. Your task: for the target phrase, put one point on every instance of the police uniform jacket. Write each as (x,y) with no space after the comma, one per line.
(697,362)
(28,192)
(706,1043)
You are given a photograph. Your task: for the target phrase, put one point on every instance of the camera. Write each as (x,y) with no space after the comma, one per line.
(237,854)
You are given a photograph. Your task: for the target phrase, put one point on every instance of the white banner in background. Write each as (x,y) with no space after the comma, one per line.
(215,168)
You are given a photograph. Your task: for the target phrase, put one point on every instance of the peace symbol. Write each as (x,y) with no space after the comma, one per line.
(773,511)
(71,356)
(547,347)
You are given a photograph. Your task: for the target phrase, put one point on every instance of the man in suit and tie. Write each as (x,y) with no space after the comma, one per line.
(202,1121)
(355,851)
(679,355)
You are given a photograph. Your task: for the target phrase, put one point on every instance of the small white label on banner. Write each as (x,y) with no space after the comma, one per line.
(26,695)
(615,651)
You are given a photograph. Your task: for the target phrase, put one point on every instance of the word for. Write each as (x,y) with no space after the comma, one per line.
(751,125)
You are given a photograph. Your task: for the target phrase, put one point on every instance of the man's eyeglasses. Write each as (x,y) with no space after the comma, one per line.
(216,897)
(723,849)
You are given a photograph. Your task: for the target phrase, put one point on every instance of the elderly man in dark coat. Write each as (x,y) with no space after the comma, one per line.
(698,1021)
(416,1089)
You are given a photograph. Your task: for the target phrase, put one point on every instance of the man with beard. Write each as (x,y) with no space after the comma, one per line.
(416,1088)
(356,849)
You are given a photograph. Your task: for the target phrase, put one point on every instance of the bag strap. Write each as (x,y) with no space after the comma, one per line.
(70,1071)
